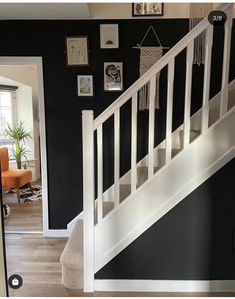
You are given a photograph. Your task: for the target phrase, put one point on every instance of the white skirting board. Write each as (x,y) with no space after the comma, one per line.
(164,285)
(56,233)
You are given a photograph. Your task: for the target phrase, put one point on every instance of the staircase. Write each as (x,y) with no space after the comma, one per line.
(203,144)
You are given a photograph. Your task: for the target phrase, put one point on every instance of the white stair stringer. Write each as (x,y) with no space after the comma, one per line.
(170,185)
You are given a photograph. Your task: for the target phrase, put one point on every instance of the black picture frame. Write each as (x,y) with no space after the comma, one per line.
(76,51)
(147,9)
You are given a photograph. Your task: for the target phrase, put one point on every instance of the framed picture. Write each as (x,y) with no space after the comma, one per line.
(145,9)
(109,36)
(77,50)
(85,86)
(113,76)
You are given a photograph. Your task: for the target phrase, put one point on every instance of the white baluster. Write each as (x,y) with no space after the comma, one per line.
(88,199)
(188,89)
(170,91)
(116,157)
(151,126)
(226,62)
(133,143)
(100,173)
(207,76)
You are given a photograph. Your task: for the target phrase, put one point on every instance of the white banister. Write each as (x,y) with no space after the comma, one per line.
(116,157)
(100,173)
(169,110)
(207,76)
(188,89)
(88,199)
(89,126)
(133,143)
(226,61)
(156,68)
(152,97)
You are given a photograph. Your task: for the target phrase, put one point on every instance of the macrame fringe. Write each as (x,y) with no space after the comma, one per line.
(148,57)
(198,11)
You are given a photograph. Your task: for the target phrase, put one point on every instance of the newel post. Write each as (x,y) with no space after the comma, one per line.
(88,199)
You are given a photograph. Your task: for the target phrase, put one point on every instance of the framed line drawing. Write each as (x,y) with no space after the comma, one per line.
(109,37)
(113,76)
(85,86)
(77,50)
(147,9)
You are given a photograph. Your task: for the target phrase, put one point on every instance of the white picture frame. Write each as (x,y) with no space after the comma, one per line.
(85,86)
(109,36)
(113,76)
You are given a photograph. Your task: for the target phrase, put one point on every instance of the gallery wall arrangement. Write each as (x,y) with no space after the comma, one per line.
(72,85)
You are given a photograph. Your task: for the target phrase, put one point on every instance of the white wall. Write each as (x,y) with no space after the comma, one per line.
(25,114)
(28,75)
(124,10)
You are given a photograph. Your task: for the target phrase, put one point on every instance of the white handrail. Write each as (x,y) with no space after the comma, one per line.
(156,68)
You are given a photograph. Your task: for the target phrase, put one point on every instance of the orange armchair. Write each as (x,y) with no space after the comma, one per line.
(13,178)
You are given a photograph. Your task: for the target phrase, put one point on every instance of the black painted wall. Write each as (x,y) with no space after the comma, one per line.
(63,107)
(194,241)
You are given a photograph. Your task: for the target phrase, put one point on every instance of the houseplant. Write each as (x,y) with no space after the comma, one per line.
(18,133)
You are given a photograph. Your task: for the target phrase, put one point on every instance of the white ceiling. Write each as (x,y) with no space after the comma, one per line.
(44,11)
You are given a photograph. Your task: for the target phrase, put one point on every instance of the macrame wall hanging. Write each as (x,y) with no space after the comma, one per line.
(148,57)
(199,11)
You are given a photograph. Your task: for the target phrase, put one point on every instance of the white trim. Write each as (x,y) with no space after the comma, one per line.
(57,233)
(72,223)
(37,61)
(126,285)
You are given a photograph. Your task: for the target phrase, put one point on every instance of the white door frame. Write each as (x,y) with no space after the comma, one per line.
(37,61)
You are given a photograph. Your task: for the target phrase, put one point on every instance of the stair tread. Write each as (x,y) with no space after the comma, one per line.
(231,102)
(174,151)
(107,207)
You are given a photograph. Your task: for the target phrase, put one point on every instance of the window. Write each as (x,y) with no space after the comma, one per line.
(8,114)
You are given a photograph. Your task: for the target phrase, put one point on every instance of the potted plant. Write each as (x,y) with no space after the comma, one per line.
(19,135)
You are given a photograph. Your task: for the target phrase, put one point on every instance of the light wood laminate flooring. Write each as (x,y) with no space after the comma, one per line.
(36,259)
(24,216)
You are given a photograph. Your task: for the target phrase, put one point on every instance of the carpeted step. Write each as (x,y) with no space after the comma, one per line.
(162,154)
(142,174)
(125,190)
(231,101)
(213,116)
(193,135)
(107,207)
(72,259)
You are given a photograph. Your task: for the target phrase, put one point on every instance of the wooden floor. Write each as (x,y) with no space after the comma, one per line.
(36,259)
(23,216)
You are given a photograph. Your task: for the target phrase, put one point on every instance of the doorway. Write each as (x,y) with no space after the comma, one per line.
(30,213)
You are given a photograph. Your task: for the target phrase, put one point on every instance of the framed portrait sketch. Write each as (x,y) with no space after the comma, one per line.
(77,50)
(113,76)
(109,36)
(85,86)
(145,9)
